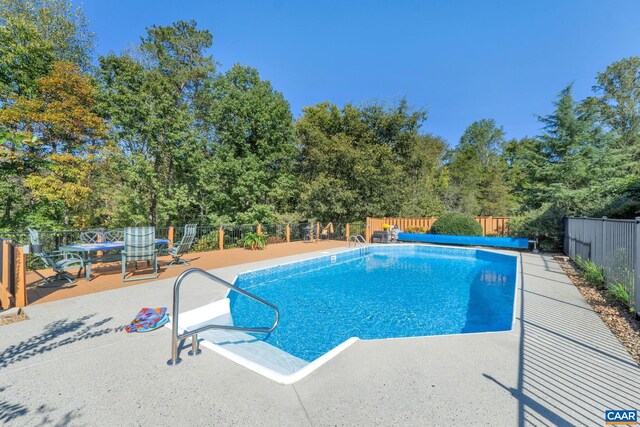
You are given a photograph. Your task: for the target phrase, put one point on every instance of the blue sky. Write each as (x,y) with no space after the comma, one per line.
(460,60)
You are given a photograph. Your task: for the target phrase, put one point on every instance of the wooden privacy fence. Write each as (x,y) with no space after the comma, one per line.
(613,244)
(491,225)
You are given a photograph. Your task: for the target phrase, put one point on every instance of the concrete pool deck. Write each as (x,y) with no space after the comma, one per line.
(72,364)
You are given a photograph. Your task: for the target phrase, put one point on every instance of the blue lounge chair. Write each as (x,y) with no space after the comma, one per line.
(183,246)
(60,262)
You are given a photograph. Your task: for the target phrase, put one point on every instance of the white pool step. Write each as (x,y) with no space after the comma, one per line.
(251,348)
(247,350)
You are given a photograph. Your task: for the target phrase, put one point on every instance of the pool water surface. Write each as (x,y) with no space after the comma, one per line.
(387,292)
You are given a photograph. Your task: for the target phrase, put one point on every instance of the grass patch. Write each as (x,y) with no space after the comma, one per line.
(592,273)
(618,292)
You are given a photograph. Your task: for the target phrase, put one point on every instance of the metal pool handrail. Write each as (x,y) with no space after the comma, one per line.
(357,239)
(175,336)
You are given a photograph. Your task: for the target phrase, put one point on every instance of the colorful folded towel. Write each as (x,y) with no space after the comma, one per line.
(148,319)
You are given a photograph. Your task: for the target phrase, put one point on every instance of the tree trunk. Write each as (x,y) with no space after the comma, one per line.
(153,207)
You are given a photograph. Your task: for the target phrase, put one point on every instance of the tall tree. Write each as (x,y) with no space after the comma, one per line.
(618,102)
(33,35)
(571,162)
(151,103)
(354,159)
(46,107)
(425,180)
(66,132)
(249,174)
(478,172)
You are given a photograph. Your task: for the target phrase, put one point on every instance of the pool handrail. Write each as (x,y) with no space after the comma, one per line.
(176,336)
(357,239)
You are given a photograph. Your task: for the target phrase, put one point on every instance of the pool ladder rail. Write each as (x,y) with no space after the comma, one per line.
(176,337)
(357,240)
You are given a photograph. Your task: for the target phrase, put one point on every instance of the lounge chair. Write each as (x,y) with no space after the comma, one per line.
(60,262)
(183,246)
(139,245)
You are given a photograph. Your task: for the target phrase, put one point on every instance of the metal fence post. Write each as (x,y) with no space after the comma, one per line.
(603,244)
(636,268)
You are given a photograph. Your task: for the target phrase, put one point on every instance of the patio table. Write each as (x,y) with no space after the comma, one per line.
(85,250)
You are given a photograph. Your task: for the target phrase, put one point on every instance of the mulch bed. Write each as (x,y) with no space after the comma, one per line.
(624,324)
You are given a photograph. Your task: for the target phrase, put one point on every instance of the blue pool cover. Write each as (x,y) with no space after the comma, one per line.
(500,242)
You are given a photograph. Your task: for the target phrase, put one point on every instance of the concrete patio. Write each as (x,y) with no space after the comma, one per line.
(72,364)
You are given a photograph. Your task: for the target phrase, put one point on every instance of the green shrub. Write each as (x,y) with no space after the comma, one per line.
(206,242)
(545,224)
(416,229)
(592,273)
(255,241)
(618,292)
(456,224)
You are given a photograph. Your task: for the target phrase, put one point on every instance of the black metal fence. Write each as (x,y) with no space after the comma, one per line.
(613,244)
(207,237)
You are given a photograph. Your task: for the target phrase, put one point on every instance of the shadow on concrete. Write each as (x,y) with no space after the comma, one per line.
(10,411)
(41,416)
(55,335)
(570,368)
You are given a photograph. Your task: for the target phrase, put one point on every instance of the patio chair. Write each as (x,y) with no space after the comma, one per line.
(91,236)
(58,261)
(326,231)
(113,236)
(308,233)
(183,246)
(109,236)
(139,245)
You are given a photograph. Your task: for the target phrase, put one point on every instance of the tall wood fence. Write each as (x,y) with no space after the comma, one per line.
(613,244)
(491,225)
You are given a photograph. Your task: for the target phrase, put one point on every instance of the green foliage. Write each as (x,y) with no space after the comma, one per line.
(618,292)
(206,242)
(367,161)
(619,90)
(34,34)
(592,273)
(156,135)
(456,224)
(254,241)
(258,214)
(545,224)
(415,229)
(559,169)
(478,172)
(248,174)
(151,101)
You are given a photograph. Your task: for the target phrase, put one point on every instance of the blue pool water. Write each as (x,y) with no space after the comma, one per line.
(393,291)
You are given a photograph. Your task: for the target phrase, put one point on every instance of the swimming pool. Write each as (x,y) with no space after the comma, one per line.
(382,292)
